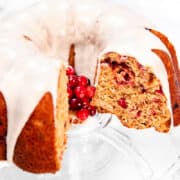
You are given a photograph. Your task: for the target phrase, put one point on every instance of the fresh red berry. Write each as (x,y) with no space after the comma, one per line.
(70,92)
(82,81)
(122,103)
(75,104)
(72,81)
(85,102)
(70,70)
(92,110)
(90,91)
(80,91)
(82,114)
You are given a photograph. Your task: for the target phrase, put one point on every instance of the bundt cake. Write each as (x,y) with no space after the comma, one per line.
(132,70)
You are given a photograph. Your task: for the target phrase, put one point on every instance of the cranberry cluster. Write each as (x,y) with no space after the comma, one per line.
(80,94)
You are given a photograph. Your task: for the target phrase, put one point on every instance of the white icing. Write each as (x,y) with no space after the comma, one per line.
(29,69)
(23,85)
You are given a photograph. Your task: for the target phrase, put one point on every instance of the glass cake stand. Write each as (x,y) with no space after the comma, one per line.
(95,150)
(173,172)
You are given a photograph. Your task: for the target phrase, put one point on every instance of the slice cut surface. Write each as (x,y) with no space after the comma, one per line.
(132,92)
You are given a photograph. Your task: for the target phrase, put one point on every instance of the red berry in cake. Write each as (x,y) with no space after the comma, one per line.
(90,91)
(92,110)
(156,100)
(138,113)
(75,104)
(159,91)
(122,102)
(82,81)
(152,112)
(82,114)
(70,92)
(70,70)
(80,91)
(85,102)
(72,81)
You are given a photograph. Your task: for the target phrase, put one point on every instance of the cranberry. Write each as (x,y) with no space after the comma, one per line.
(72,81)
(82,114)
(80,91)
(156,100)
(92,110)
(85,102)
(82,81)
(75,104)
(70,92)
(138,114)
(159,91)
(122,103)
(70,71)
(152,112)
(90,91)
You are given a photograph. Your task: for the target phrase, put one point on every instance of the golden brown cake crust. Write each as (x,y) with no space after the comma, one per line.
(172,67)
(71,58)
(2,148)
(3,127)
(35,149)
(3,116)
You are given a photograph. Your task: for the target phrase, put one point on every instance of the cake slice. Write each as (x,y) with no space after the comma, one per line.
(132,92)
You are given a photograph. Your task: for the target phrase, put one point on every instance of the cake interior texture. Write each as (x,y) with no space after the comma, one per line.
(41,143)
(132,92)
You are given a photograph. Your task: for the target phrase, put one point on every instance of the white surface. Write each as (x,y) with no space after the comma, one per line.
(159,150)
(164,14)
